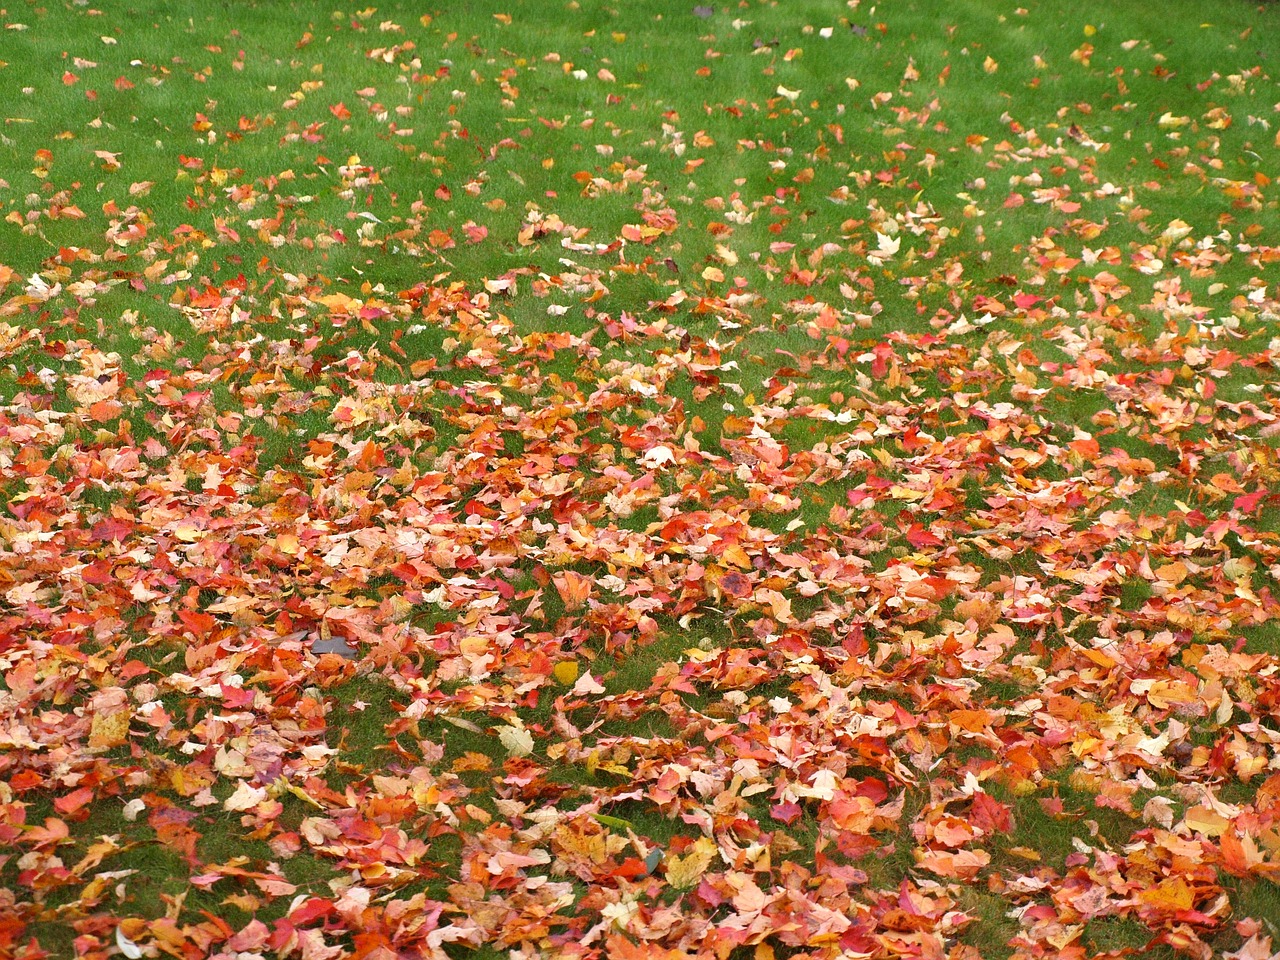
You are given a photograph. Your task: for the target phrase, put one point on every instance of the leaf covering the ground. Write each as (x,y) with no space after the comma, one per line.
(676,481)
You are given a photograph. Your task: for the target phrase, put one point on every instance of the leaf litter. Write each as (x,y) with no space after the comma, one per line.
(804,524)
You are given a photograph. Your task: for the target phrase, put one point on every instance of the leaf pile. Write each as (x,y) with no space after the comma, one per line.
(669,483)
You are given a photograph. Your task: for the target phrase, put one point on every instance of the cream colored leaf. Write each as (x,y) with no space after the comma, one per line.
(244,798)
(133,808)
(127,946)
(517,741)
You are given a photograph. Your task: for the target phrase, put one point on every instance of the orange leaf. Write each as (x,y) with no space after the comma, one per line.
(1240,853)
(573,587)
(105,410)
(1172,895)
(73,801)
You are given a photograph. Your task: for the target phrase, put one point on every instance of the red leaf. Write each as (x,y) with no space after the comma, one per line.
(1249,502)
(786,813)
(73,801)
(919,537)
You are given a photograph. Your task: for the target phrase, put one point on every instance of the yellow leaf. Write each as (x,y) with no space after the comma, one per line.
(883,456)
(583,846)
(566,671)
(1171,895)
(1204,820)
(305,797)
(906,493)
(685,872)
(109,729)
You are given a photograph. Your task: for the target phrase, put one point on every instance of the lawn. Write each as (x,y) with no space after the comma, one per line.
(650,480)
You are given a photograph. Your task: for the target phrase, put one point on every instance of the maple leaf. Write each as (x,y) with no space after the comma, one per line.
(245,797)
(886,247)
(686,871)
(574,589)
(517,741)
(738,482)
